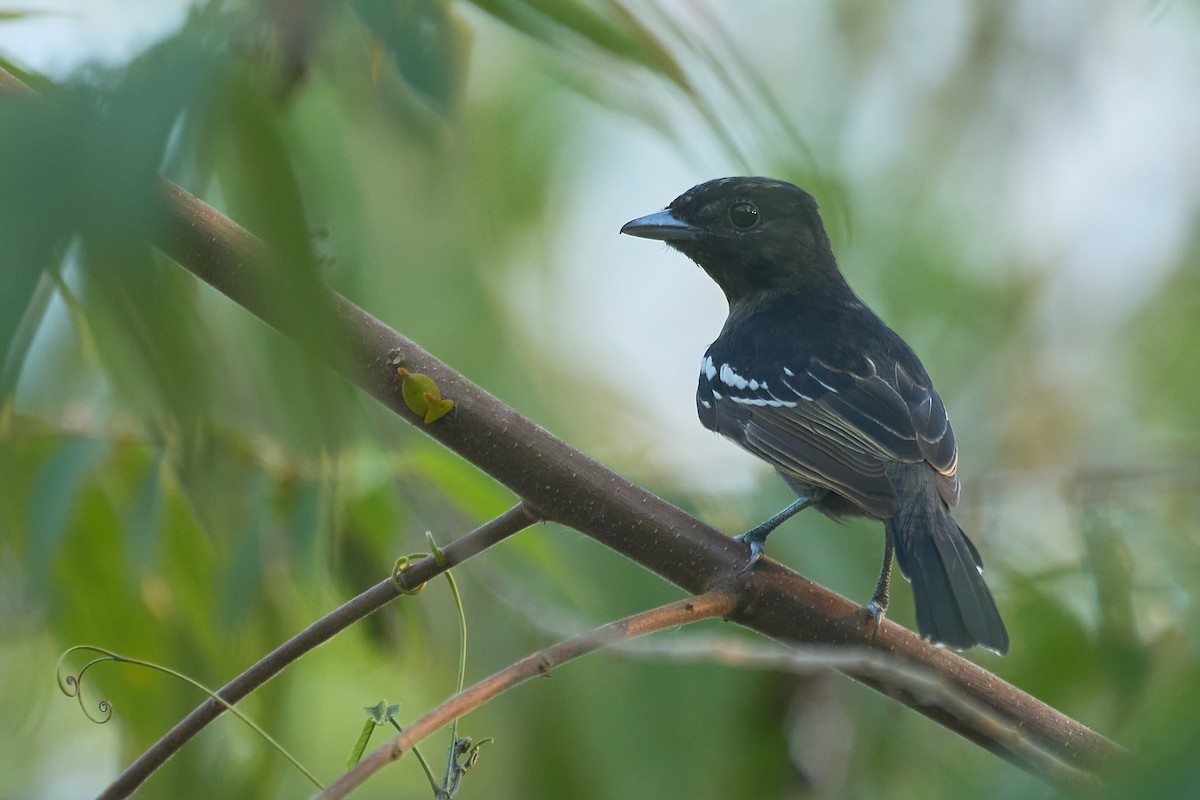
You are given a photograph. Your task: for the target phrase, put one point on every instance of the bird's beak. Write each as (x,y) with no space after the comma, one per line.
(662,225)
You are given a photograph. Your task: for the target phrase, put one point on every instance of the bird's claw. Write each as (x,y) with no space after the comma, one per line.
(876,612)
(756,549)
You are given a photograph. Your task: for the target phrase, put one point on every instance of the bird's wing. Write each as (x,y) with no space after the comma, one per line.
(832,426)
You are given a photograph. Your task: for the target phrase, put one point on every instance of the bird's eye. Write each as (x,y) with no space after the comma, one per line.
(743,215)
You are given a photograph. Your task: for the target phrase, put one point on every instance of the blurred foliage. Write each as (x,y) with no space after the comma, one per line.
(181,484)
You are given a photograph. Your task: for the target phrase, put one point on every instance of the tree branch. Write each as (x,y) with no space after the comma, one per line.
(515,519)
(711,604)
(568,487)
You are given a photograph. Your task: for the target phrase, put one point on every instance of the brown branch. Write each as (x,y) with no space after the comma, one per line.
(515,519)
(767,654)
(737,652)
(568,487)
(704,606)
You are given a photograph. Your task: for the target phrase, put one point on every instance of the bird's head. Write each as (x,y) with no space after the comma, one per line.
(753,236)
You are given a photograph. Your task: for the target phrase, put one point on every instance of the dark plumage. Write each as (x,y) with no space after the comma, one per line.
(807,378)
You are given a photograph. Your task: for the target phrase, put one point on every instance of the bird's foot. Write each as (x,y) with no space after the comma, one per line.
(757,545)
(756,538)
(876,611)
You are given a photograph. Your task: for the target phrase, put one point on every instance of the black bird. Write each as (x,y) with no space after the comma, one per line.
(807,378)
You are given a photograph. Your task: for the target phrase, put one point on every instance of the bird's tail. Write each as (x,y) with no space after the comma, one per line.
(954,606)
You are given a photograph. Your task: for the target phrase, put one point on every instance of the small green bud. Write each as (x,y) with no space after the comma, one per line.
(423,396)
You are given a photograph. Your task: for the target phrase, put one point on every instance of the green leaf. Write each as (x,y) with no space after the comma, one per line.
(426,42)
(360,745)
(144,517)
(244,581)
(52,500)
(609,28)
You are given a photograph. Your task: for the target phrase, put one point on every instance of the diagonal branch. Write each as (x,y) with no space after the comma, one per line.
(705,606)
(512,521)
(566,486)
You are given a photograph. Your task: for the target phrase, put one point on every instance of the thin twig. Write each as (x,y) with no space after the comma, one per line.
(743,652)
(712,604)
(515,519)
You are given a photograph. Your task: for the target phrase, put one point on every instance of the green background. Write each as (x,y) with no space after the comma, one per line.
(1014,187)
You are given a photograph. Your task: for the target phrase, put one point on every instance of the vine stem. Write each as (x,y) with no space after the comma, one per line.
(515,519)
(704,606)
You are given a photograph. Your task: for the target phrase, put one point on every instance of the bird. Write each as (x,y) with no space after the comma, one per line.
(806,377)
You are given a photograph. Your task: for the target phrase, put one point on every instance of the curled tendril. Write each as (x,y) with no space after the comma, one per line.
(72,685)
(472,753)
(402,565)
(438,555)
(462,753)
(463,756)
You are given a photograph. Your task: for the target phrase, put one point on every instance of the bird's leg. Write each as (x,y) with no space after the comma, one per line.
(879,601)
(756,537)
